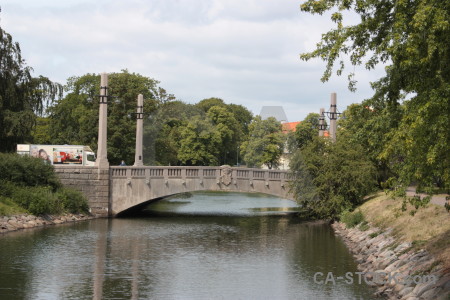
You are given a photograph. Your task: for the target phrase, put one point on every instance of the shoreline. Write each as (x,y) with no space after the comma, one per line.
(27,221)
(404,272)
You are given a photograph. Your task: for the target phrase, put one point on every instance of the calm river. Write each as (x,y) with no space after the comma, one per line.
(208,246)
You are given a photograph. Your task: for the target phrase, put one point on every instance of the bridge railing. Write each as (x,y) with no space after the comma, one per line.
(183,172)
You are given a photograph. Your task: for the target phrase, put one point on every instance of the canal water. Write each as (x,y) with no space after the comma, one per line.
(207,246)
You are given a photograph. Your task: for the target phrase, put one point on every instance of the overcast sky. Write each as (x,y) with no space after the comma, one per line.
(243,51)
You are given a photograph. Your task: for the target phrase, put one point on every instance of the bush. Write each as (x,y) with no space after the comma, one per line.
(29,185)
(37,200)
(351,219)
(27,171)
(73,200)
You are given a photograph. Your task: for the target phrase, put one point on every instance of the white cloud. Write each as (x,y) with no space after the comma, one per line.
(244,51)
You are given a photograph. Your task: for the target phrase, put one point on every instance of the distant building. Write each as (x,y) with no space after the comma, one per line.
(273,111)
(286,156)
(278,113)
(290,126)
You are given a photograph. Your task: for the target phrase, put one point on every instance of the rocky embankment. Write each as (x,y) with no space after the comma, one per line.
(13,223)
(396,269)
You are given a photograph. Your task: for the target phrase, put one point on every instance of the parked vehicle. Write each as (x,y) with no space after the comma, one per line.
(60,154)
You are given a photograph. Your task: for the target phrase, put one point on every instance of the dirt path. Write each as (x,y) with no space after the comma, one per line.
(438,199)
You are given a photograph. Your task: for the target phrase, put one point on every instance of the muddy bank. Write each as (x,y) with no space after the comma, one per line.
(18,222)
(395,269)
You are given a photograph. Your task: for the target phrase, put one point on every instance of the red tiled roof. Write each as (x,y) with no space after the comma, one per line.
(292,126)
(289,126)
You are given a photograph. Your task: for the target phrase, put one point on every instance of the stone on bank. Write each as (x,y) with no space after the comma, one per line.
(407,274)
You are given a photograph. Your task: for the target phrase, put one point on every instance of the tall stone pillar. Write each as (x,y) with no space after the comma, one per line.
(322,122)
(333,117)
(102,159)
(138,160)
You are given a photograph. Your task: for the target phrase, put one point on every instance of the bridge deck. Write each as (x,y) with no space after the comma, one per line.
(131,186)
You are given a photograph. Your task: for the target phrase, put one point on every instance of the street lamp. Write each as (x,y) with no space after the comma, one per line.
(333,115)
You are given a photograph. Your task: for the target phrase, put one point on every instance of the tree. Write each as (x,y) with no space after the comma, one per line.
(162,132)
(207,103)
(225,122)
(265,144)
(22,97)
(306,130)
(74,119)
(200,143)
(244,117)
(413,39)
(329,178)
(41,132)
(371,127)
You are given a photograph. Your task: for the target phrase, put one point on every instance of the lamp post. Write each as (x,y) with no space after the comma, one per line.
(333,115)
(322,126)
(102,157)
(138,162)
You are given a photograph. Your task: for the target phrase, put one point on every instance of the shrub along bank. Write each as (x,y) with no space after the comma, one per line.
(29,185)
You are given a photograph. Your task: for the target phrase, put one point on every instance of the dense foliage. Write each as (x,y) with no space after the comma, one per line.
(329,178)
(207,133)
(265,144)
(74,119)
(405,125)
(304,132)
(22,96)
(30,185)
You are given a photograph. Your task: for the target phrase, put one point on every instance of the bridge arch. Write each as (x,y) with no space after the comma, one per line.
(137,209)
(133,186)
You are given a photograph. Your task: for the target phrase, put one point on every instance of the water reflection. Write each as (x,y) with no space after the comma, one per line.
(176,257)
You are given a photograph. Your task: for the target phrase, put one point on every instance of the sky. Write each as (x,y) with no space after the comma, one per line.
(243,51)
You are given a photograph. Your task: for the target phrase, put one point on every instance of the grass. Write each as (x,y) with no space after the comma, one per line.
(364,226)
(428,228)
(374,234)
(10,208)
(351,219)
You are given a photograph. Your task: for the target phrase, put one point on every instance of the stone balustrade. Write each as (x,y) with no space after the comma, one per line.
(116,189)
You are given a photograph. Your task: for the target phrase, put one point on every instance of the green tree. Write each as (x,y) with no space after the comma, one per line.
(200,143)
(22,97)
(265,144)
(74,119)
(412,38)
(165,124)
(206,104)
(306,130)
(329,178)
(244,117)
(162,132)
(225,122)
(41,132)
(371,127)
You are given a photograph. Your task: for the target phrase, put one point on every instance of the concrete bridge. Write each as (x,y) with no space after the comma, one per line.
(116,189)
(113,190)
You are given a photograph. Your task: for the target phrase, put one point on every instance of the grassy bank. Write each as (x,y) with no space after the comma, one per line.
(29,185)
(428,227)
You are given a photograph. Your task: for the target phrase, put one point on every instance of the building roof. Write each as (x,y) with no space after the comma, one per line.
(290,126)
(273,111)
